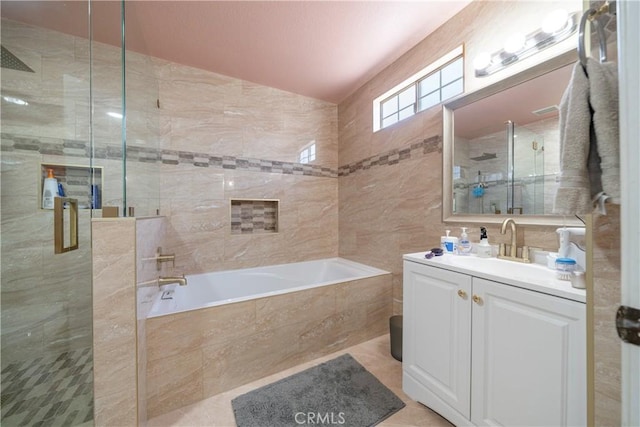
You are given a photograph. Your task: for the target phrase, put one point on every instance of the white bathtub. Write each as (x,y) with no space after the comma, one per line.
(224,287)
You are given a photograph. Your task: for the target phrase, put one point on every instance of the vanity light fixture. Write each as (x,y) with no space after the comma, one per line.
(557,26)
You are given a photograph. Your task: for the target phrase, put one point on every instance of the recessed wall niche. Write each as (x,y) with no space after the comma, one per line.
(77,182)
(254,216)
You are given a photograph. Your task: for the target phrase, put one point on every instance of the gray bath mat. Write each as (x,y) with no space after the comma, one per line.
(337,392)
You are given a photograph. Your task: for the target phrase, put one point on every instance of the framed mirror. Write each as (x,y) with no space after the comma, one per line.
(501,149)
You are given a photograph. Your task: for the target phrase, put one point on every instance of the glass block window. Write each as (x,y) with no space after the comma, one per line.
(436,83)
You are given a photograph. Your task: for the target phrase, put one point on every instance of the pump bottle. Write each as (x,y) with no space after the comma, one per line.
(464,247)
(49,190)
(450,243)
(483,249)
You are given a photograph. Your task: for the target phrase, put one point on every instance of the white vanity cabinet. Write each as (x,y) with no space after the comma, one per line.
(481,352)
(436,338)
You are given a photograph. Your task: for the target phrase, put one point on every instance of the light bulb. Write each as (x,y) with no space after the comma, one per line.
(514,43)
(555,21)
(482,61)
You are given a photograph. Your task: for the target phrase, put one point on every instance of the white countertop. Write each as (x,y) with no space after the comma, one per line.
(534,277)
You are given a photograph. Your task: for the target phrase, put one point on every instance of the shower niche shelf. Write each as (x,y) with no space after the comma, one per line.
(76,181)
(254,216)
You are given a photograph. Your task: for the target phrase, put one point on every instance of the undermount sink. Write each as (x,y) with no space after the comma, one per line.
(506,267)
(529,276)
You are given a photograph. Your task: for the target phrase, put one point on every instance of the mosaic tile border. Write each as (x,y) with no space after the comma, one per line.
(65,147)
(395,156)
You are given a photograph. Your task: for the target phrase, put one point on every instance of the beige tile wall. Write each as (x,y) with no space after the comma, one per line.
(200,353)
(207,114)
(122,257)
(114,322)
(606,286)
(386,211)
(201,114)
(606,296)
(150,235)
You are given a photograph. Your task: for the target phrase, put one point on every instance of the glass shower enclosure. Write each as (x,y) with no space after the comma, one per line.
(500,172)
(63,117)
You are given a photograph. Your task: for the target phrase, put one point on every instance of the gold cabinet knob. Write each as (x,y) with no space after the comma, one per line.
(477,299)
(462,294)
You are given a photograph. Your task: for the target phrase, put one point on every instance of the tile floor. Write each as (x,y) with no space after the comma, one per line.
(374,355)
(50,390)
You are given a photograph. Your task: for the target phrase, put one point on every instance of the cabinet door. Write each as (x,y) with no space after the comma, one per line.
(437,328)
(529,358)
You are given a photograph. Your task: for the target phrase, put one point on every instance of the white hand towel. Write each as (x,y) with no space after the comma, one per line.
(603,90)
(574,192)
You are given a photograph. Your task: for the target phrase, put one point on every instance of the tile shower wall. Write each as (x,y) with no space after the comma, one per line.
(46,298)
(222,139)
(395,207)
(55,129)
(57,123)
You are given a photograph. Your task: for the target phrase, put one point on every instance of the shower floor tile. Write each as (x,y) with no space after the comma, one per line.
(48,391)
(374,355)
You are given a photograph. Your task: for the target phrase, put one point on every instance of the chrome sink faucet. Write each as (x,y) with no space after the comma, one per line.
(182,281)
(517,240)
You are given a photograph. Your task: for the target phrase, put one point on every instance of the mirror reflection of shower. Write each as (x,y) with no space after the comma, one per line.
(524,175)
(502,172)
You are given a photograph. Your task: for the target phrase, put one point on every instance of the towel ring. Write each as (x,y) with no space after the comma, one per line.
(593,16)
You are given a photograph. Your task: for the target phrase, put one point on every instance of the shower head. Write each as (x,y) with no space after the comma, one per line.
(485,156)
(9,60)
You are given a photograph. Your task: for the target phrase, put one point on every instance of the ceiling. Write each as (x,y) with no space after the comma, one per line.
(321,49)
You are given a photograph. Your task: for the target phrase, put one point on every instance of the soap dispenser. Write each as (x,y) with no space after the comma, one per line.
(464,247)
(483,249)
(49,190)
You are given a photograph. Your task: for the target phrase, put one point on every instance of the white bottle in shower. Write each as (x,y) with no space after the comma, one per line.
(49,190)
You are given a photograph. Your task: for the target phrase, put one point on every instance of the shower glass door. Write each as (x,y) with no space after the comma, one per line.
(48,95)
(529,170)
(526,171)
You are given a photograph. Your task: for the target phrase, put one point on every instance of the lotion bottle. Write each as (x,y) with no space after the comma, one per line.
(49,190)
(450,243)
(483,249)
